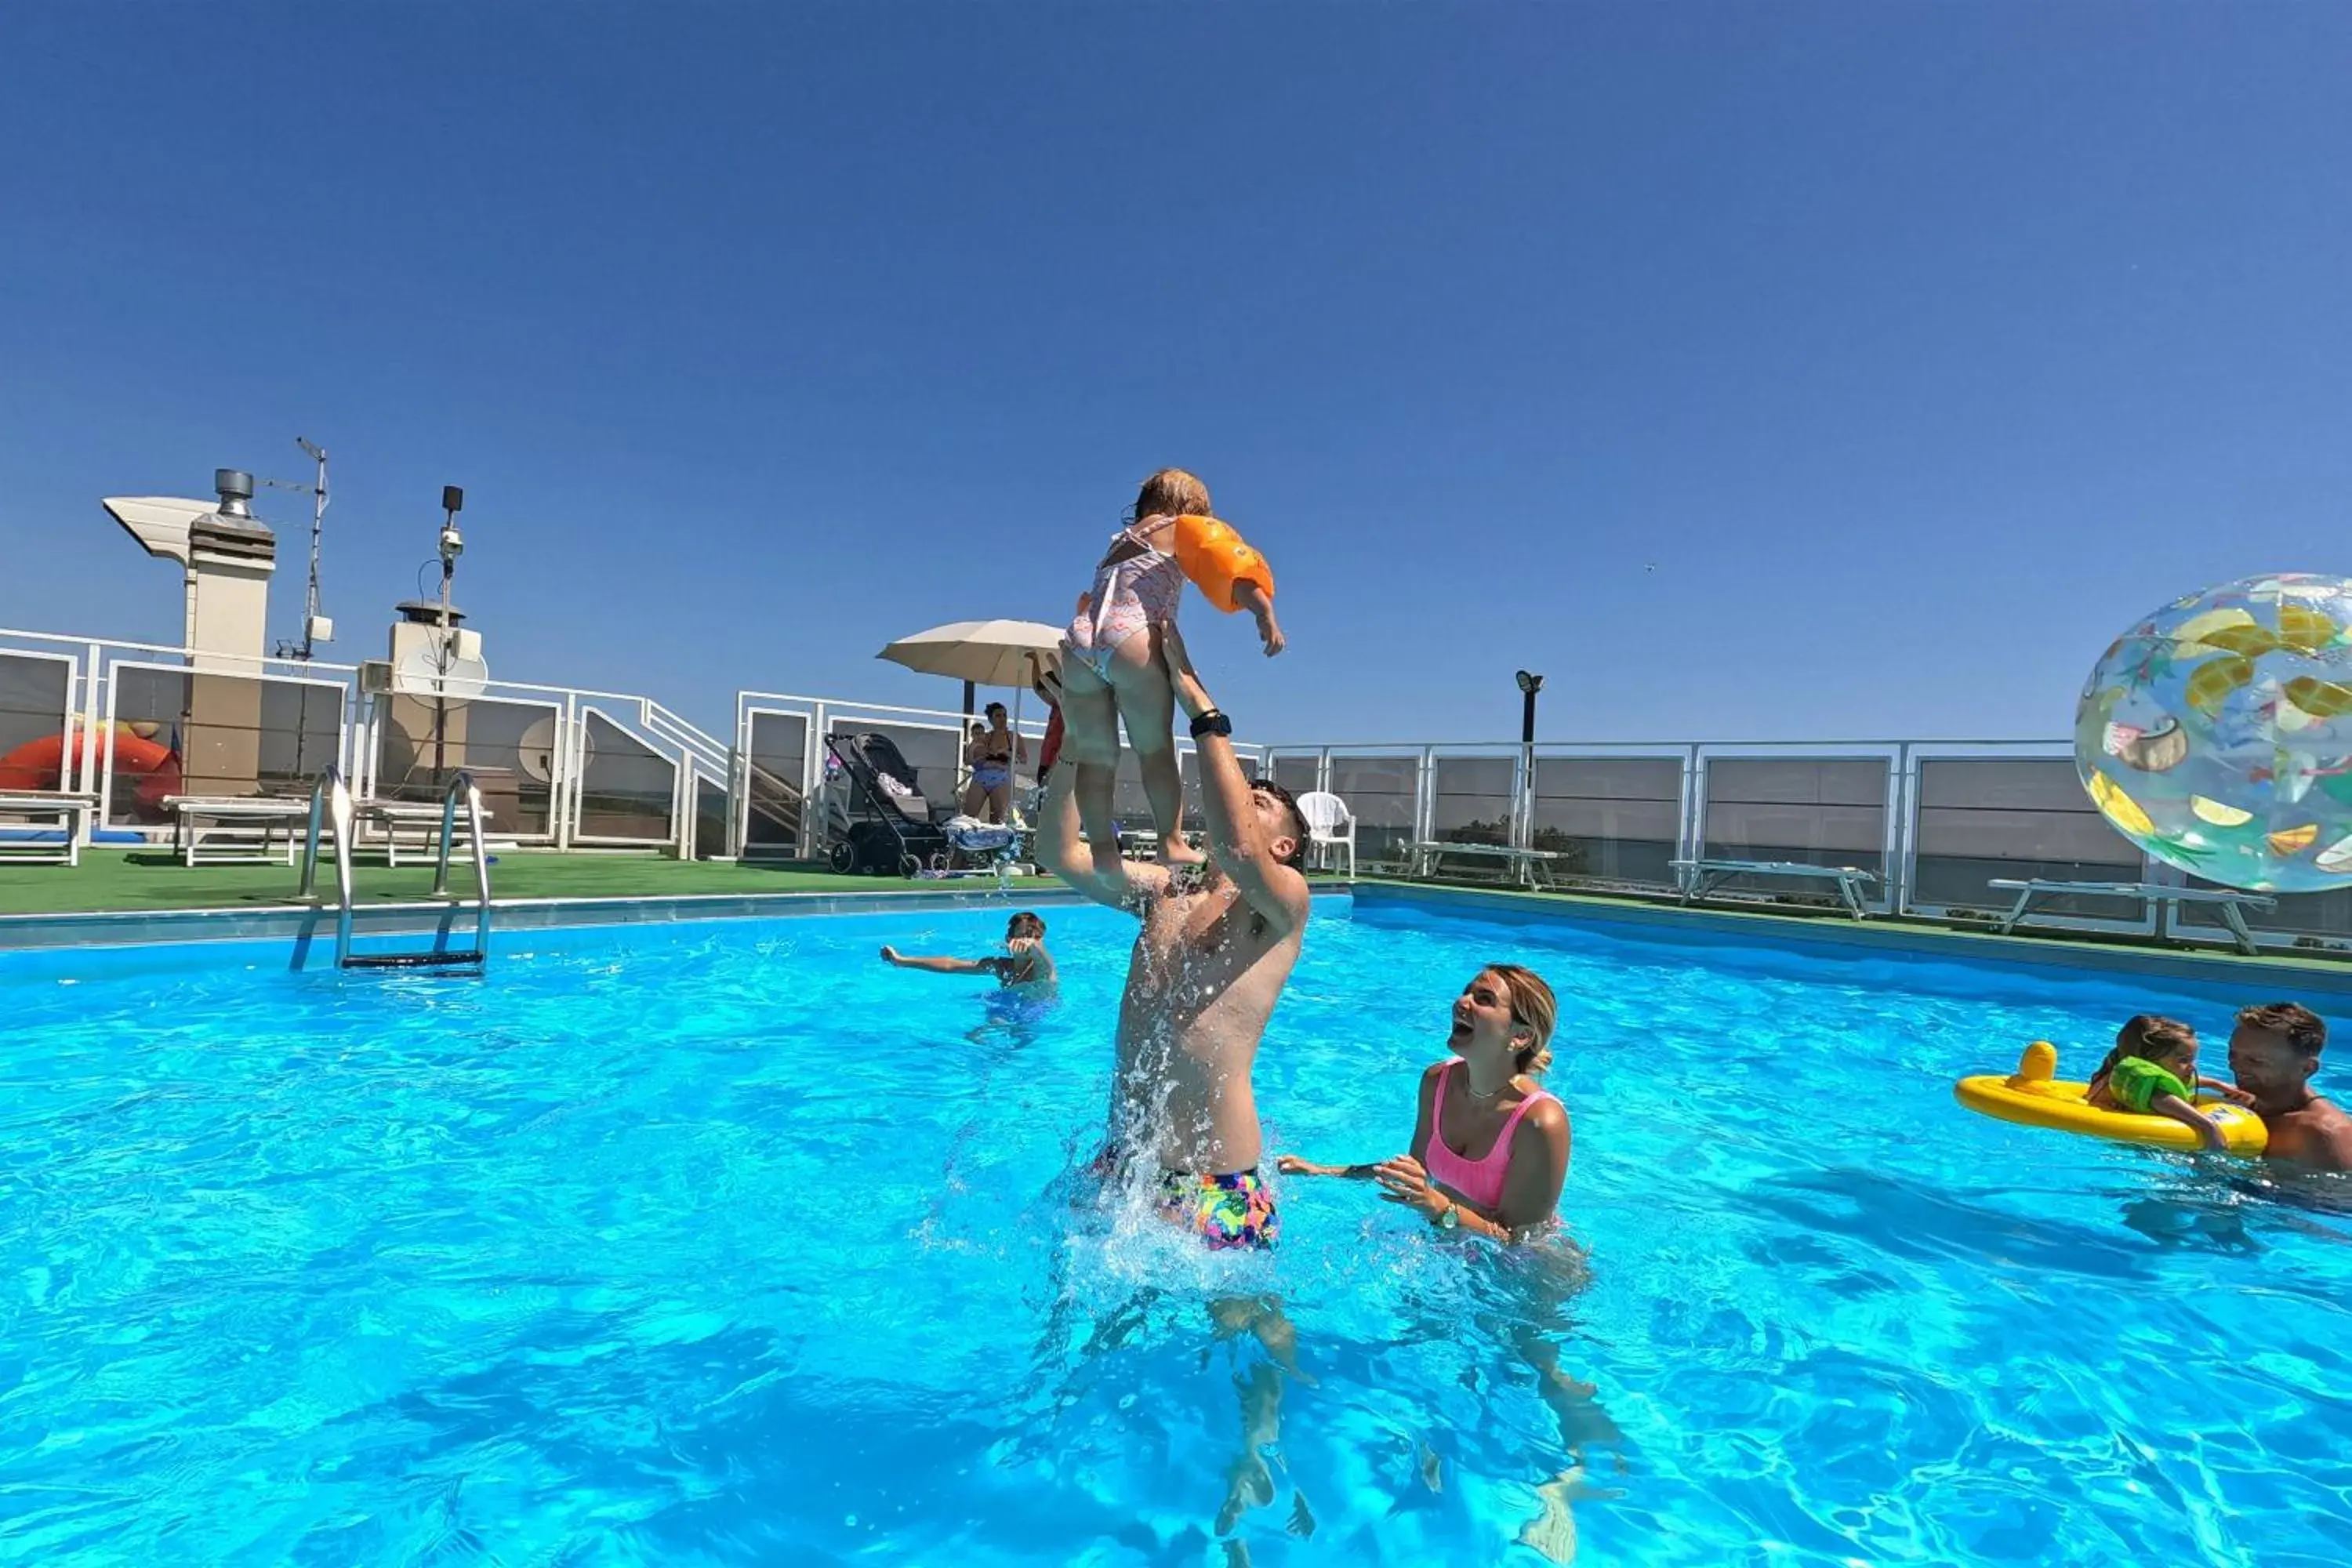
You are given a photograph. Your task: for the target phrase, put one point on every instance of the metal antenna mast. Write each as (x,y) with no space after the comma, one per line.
(316,627)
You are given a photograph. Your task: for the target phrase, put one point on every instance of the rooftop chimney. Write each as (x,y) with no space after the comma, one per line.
(235,489)
(228,554)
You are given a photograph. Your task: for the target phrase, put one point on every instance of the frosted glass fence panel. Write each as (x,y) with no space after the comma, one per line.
(1615,819)
(1187,768)
(1816,811)
(1384,792)
(35,690)
(1984,817)
(1473,800)
(629,791)
(512,749)
(1298,771)
(774,816)
(184,732)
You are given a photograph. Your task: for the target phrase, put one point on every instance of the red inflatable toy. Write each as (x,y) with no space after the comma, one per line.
(39,765)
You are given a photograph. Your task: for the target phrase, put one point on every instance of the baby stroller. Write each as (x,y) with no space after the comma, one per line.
(891,830)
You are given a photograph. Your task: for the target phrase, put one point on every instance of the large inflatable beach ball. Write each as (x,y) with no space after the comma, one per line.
(2217,734)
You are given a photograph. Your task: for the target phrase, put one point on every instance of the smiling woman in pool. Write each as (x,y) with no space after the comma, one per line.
(1490,1148)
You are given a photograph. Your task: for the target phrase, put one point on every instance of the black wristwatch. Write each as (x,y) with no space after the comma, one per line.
(1212,722)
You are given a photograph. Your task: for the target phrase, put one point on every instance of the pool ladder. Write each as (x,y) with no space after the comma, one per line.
(331,805)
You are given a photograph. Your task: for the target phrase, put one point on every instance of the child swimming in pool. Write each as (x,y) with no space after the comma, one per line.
(1112,669)
(2152,1071)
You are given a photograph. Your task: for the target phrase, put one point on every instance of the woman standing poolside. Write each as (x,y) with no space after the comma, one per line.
(1490,1148)
(992,753)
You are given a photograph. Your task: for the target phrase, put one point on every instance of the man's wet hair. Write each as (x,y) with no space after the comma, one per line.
(2298,1025)
(1028,922)
(1297,856)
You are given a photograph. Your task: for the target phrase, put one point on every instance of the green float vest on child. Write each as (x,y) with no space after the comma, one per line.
(2137,1081)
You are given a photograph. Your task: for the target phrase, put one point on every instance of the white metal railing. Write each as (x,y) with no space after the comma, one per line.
(705,760)
(109,683)
(786,780)
(772,773)
(1398,798)
(787,775)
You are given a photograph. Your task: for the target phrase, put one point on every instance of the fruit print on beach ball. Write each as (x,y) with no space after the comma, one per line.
(2217,734)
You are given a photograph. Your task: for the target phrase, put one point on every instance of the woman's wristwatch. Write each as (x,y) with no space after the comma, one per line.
(1450,1216)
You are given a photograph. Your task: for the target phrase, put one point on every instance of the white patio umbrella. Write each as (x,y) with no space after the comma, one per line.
(982,653)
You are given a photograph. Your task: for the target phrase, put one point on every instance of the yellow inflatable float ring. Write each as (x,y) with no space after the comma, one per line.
(2034,1096)
(1218,561)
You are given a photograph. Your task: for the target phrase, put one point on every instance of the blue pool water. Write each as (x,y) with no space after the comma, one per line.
(723,1244)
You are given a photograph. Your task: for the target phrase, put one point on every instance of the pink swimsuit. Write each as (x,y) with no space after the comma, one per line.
(1131,593)
(1480,1182)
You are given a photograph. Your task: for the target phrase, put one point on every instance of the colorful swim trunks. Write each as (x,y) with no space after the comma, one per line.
(1228,1211)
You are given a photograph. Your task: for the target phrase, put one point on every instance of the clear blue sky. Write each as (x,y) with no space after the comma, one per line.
(1918,348)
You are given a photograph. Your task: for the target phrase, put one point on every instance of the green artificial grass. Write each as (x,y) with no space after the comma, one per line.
(153,880)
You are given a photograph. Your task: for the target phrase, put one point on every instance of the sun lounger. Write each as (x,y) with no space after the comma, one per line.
(1700,878)
(60,846)
(235,820)
(1531,867)
(420,819)
(2230,903)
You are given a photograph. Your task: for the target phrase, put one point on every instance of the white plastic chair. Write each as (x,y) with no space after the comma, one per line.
(1329,826)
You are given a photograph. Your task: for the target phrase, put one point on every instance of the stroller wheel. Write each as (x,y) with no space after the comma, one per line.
(910,867)
(940,861)
(842,858)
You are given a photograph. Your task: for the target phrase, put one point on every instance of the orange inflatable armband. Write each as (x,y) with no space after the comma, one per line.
(1218,560)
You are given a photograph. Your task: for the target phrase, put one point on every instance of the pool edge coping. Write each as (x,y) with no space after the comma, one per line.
(48,932)
(1848,936)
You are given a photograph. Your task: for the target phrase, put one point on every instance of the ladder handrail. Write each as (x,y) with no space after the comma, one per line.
(460,780)
(310,836)
(338,803)
(463,782)
(330,797)
(330,805)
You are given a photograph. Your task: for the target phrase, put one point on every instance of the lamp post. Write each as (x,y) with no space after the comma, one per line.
(453,545)
(1523,808)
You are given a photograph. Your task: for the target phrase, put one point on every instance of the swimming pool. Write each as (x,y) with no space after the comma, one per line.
(722,1243)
